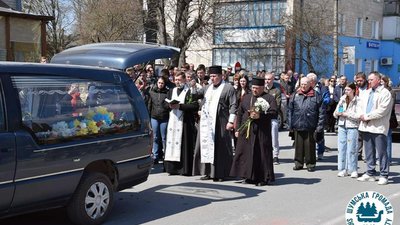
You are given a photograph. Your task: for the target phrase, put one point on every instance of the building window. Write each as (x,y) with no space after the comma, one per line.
(63,109)
(358,65)
(341,23)
(341,66)
(271,59)
(249,14)
(359,27)
(375,65)
(375,30)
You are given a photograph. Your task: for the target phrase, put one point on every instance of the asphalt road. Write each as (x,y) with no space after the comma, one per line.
(297,197)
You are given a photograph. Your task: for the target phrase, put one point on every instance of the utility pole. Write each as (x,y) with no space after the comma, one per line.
(301,38)
(335,38)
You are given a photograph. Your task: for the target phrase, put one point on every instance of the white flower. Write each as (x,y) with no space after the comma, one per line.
(261,105)
(83,125)
(61,129)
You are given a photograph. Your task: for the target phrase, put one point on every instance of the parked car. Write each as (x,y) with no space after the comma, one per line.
(72,135)
(59,150)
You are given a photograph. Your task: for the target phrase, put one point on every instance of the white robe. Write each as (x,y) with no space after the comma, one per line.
(208,119)
(175,128)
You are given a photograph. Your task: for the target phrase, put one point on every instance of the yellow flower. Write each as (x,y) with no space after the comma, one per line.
(82,132)
(76,123)
(102,110)
(90,114)
(111,115)
(92,127)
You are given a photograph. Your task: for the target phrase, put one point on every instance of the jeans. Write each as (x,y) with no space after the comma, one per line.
(347,149)
(389,146)
(159,129)
(275,137)
(376,143)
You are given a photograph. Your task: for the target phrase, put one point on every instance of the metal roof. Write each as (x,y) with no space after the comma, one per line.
(114,55)
(14,13)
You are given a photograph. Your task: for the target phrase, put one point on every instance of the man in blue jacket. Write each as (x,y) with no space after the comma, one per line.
(306,118)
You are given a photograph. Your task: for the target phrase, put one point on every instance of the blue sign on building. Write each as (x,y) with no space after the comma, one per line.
(372,44)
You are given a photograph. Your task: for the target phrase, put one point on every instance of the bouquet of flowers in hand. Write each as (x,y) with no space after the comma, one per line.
(261,105)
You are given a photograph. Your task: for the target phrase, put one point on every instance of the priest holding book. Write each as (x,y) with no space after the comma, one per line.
(181,131)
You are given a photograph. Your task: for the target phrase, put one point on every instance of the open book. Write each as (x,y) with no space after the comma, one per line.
(174,101)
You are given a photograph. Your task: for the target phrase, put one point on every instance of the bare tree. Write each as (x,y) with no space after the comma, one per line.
(108,20)
(311,25)
(191,18)
(58,37)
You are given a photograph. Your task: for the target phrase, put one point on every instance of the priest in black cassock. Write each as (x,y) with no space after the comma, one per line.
(181,131)
(253,156)
(214,150)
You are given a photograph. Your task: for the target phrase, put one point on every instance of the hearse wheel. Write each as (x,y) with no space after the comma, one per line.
(92,201)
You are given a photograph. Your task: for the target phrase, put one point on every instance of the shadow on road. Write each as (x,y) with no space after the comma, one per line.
(296,180)
(148,205)
(48,217)
(166,200)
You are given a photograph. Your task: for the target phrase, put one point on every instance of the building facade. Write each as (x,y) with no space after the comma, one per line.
(369,35)
(253,34)
(22,35)
(248,32)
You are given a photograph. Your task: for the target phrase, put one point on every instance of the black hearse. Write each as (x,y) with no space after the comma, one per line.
(70,136)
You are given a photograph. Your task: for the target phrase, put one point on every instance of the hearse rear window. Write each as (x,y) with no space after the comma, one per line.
(60,109)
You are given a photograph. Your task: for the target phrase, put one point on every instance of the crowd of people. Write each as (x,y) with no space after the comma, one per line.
(203,124)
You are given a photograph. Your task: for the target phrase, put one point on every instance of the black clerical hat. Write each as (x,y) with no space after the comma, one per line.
(215,70)
(258,81)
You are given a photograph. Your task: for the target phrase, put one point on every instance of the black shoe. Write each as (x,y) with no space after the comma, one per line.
(206,177)
(247,181)
(311,169)
(218,179)
(297,168)
(276,161)
(262,183)
(320,157)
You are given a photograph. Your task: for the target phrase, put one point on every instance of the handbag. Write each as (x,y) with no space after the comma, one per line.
(393,123)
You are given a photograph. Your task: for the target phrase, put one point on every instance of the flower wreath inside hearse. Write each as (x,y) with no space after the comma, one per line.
(97,122)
